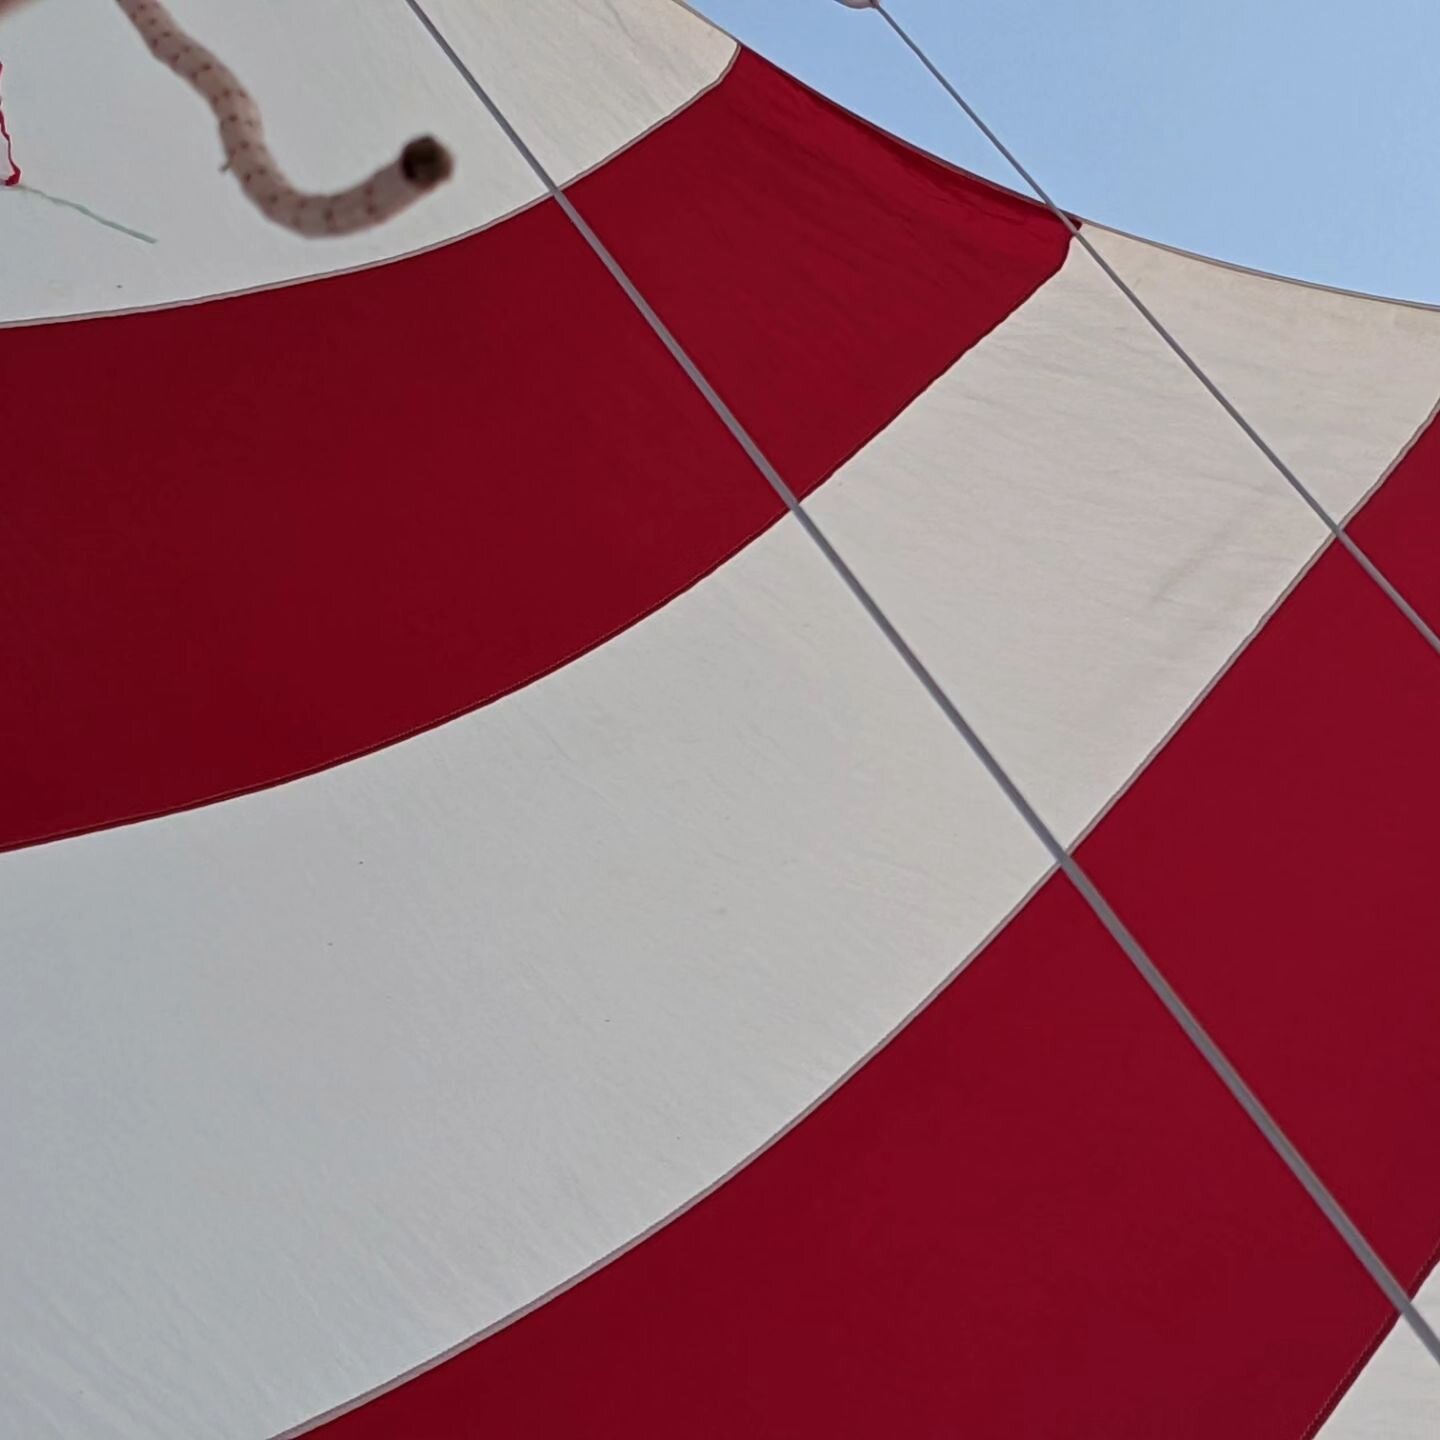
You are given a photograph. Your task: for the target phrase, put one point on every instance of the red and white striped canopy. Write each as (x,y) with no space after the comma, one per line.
(494,941)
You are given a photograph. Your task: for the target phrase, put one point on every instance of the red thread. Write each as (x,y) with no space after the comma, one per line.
(14,177)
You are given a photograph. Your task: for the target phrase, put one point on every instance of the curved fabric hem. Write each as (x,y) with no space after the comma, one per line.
(386,1387)
(319,276)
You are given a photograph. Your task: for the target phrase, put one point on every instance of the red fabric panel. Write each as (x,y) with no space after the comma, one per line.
(1037,1213)
(248,539)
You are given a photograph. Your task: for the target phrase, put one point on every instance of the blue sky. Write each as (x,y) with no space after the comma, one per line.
(1302,138)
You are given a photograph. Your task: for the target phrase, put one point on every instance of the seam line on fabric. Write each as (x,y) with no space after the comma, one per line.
(1210,1051)
(690,1202)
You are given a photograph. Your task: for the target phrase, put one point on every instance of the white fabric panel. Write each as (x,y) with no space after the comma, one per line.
(1397,1396)
(1308,366)
(342,86)
(320,1080)
(1078,537)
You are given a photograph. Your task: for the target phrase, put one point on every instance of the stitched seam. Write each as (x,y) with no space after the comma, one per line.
(1367,1353)
(407,733)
